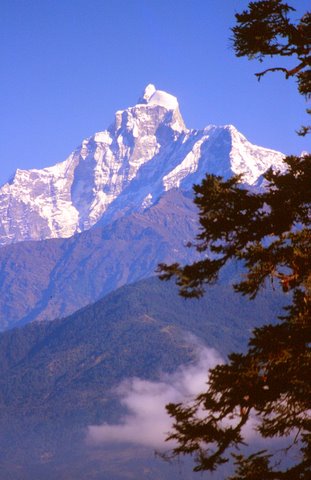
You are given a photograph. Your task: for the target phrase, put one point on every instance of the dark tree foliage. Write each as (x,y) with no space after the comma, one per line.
(265,29)
(268,233)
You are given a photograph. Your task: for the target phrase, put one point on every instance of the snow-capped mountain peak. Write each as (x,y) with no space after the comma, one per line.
(145,152)
(152,96)
(148,92)
(163,99)
(154,108)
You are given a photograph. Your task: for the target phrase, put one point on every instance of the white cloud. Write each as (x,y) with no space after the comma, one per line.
(147,422)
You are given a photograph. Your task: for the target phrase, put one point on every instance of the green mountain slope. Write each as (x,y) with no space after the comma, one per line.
(58,377)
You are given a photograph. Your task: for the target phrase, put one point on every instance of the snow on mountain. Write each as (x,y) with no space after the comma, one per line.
(146,151)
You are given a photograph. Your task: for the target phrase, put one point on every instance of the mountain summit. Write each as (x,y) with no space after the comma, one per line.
(145,152)
(152,96)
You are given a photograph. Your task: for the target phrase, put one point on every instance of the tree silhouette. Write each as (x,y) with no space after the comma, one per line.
(268,233)
(265,30)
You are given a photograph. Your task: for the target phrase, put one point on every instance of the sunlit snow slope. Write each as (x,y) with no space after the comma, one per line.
(145,152)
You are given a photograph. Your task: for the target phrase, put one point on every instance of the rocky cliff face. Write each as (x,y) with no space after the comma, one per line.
(146,151)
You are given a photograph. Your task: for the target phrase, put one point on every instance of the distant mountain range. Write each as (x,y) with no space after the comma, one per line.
(131,183)
(73,234)
(145,152)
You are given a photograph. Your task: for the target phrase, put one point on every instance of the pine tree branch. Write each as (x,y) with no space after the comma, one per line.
(288,73)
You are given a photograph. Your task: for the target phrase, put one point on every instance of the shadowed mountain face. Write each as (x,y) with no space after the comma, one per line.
(53,278)
(56,378)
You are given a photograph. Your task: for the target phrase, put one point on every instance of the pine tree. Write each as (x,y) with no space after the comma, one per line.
(268,233)
(265,30)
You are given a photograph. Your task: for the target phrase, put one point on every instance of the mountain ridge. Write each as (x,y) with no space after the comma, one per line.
(42,280)
(145,152)
(59,377)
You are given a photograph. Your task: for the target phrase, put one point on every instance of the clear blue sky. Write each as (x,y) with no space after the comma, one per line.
(68,65)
